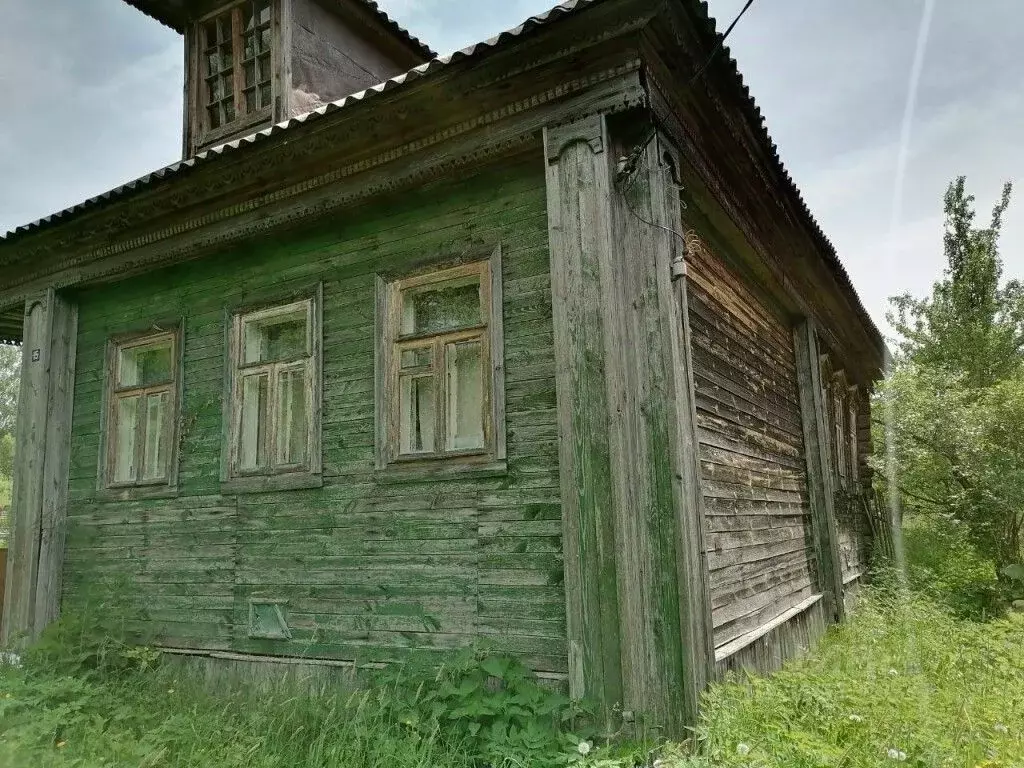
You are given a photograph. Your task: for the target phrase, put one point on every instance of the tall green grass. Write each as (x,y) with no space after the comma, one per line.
(83,696)
(914,677)
(904,681)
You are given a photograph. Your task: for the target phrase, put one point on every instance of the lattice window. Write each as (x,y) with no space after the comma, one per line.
(237,63)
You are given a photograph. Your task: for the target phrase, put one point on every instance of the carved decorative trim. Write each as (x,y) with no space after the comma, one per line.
(590,130)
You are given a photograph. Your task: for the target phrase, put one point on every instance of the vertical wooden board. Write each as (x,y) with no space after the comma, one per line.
(397,547)
(56,463)
(578,224)
(27,493)
(41,468)
(665,644)
(821,490)
(691,563)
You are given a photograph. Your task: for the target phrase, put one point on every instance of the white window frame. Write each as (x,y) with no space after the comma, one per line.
(391,342)
(274,474)
(114,394)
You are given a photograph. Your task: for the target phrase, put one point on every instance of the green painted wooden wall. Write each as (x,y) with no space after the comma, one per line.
(371,570)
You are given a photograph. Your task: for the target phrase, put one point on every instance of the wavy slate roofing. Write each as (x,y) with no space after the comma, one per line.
(173,14)
(572,7)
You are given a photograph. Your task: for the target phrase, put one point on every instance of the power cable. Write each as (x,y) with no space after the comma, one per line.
(721,42)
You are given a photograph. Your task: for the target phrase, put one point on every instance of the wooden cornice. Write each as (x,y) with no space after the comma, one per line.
(206,228)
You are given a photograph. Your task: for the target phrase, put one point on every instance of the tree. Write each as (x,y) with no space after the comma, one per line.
(954,403)
(10,383)
(959,455)
(970,325)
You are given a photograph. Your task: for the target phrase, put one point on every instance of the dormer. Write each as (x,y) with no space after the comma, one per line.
(252,63)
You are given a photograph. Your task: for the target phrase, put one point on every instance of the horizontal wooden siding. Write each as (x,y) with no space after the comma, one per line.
(759,546)
(373,568)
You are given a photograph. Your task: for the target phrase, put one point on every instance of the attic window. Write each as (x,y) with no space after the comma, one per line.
(236,63)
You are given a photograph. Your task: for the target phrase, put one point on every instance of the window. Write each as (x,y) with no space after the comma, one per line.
(853,410)
(275,390)
(141,416)
(442,361)
(267,620)
(236,63)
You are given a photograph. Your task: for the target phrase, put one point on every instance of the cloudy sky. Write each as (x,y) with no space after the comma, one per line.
(92,96)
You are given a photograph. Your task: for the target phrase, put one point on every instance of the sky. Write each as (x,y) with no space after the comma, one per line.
(92,97)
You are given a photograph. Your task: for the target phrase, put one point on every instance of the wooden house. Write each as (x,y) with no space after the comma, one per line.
(534,347)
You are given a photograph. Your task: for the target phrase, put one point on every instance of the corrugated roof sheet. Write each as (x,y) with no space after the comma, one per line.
(749,105)
(173,14)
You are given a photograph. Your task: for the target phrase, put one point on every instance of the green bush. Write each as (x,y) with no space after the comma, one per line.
(943,563)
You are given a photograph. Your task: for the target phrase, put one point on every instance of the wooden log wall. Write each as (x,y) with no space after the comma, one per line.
(760,546)
(373,566)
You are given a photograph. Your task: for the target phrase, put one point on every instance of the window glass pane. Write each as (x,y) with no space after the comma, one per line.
(416,417)
(126,414)
(292,423)
(280,337)
(264,95)
(264,11)
(465,396)
(252,444)
(144,365)
(417,358)
(442,307)
(210,34)
(154,459)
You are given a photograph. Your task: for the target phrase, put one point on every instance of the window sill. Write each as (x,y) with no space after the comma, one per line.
(268,483)
(440,469)
(243,126)
(136,493)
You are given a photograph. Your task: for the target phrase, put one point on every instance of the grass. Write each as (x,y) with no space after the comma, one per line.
(904,675)
(914,677)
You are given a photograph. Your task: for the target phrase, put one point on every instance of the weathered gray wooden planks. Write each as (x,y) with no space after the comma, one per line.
(39,505)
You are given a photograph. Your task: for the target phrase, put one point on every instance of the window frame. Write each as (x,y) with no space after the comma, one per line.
(205,134)
(113,394)
(274,476)
(853,418)
(391,342)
